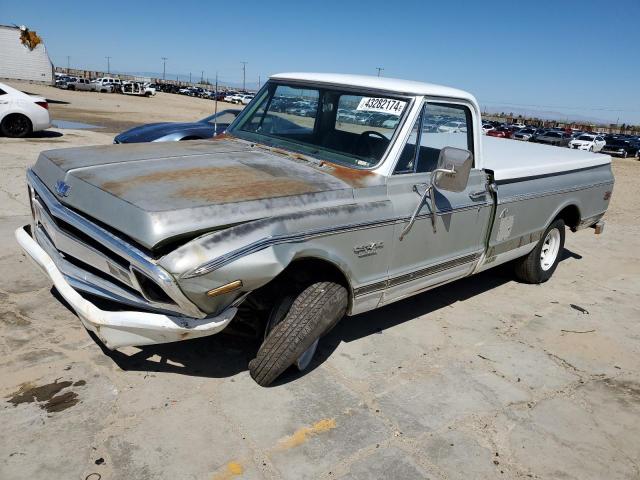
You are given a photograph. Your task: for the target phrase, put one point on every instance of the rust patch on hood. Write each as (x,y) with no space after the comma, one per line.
(353,176)
(215,183)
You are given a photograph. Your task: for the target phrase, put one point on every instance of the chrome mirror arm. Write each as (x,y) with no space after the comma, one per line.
(430,190)
(412,220)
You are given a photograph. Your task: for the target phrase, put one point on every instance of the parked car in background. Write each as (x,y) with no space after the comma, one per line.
(80,84)
(63,81)
(500,132)
(237,98)
(453,126)
(173,131)
(136,89)
(21,114)
(149,89)
(622,148)
(592,143)
(228,97)
(559,139)
(524,134)
(519,125)
(487,127)
(246,99)
(108,84)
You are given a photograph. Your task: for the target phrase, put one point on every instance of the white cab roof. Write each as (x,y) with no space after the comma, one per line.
(511,159)
(377,83)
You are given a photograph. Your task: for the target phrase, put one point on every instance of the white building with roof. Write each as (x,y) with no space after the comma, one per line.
(19,62)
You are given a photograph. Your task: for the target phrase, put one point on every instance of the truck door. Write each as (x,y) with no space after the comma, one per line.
(446,244)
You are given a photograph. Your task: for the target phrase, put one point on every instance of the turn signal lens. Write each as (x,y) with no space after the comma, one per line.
(229,287)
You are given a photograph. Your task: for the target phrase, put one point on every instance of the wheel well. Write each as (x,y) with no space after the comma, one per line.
(571,216)
(293,279)
(191,138)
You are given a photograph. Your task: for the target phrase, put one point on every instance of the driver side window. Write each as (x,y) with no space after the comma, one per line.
(439,125)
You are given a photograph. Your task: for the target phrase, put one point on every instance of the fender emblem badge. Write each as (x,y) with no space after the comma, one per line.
(62,188)
(368,249)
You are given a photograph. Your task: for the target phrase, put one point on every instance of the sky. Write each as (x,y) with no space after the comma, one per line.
(563,58)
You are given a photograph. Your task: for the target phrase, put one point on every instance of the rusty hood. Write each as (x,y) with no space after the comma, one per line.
(161,191)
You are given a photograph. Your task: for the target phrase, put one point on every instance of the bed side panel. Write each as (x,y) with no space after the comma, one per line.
(527,206)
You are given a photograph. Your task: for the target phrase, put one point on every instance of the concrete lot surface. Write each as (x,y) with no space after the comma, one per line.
(480,379)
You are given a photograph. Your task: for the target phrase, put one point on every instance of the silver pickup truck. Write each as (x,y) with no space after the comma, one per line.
(330,195)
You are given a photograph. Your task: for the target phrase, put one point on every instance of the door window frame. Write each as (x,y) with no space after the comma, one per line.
(471,133)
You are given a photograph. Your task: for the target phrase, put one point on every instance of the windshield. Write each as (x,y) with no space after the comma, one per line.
(588,138)
(352,128)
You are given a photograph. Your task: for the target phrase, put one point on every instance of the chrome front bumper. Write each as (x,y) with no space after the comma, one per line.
(121,328)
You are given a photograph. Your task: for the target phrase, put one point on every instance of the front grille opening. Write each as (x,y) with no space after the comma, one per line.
(90,241)
(99,273)
(151,289)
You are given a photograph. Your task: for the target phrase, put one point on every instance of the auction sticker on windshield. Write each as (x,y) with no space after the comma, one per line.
(381,105)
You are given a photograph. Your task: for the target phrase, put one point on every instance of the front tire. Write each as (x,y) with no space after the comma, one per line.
(16,125)
(538,266)
(304,318)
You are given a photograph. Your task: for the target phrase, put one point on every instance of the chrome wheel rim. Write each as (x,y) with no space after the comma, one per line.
(18,126)
(304,360)
(550,249)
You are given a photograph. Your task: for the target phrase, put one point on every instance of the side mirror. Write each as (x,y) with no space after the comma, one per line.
(454,166)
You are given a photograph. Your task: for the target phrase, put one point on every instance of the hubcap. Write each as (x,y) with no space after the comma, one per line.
(303,360)
(18,126)
(550,249)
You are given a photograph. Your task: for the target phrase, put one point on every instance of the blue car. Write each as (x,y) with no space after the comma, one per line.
(174,131)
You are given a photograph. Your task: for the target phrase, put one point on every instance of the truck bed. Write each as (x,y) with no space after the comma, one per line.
(513,159)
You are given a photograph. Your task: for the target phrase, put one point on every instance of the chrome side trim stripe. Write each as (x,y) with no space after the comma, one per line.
(415,275)
(303,236)
(528,196)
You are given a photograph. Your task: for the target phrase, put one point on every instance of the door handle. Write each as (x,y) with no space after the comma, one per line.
(478,195)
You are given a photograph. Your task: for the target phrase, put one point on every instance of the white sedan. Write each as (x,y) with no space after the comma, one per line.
(453,126)
(21,114)
(592,143)
(246,99)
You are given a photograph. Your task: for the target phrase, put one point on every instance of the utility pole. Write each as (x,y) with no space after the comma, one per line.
(259,82)
(108,65)
(68,62)
(215,121)
(380,69)
(202,77)
(189,77)
(244,75)
(164,67)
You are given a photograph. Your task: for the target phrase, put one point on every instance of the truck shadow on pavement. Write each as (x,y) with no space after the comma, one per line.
(227,354)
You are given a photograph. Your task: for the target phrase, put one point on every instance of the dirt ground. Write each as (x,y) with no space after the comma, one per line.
(115,112)
(483,378)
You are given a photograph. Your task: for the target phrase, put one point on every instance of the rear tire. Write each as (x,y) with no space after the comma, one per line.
(16,125)
(541,262)
(312,314)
